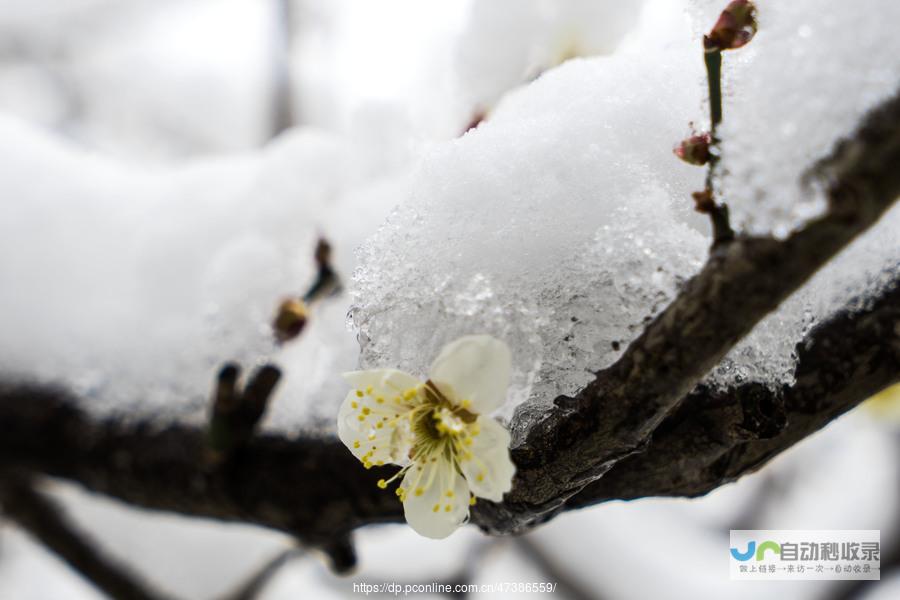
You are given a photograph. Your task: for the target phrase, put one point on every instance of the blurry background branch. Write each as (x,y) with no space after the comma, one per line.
(22,502)
(552,571)
(256,583)
(283,107)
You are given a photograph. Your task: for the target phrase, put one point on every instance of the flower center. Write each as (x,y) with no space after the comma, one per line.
(441,431)
(435,421)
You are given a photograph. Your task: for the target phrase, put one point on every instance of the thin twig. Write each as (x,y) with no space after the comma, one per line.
(721,223)
(235,413)
(43,519)
(890,562)
(251,588)
(283,110)
(713,61)
(718,211)
(566,585)
(449,585)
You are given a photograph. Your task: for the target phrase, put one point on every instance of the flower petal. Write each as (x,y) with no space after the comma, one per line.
(489,469)
(389,383)
(373,429)
(477,368)
(436,498)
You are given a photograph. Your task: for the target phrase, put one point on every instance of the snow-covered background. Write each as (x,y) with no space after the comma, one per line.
(155,211)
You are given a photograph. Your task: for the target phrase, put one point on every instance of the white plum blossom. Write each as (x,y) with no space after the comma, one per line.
(437,430)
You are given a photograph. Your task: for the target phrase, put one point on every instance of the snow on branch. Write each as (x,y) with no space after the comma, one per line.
(615,416)
(637,430)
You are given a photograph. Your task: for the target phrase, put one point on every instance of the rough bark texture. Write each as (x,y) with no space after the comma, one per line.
(315,490)
(716,436)
(743,280)
(309,487)
(639,429)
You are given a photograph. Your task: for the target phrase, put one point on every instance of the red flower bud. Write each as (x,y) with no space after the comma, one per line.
(695,149)
(735,28)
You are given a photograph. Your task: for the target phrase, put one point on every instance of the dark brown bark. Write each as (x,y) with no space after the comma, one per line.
(311,487)
(716,436)
(316,490)
(631,426)
(743,280)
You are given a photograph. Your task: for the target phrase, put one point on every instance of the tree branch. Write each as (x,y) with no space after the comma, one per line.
(40,516)
(614,416)
(716,436)
(314,489)
(310,487)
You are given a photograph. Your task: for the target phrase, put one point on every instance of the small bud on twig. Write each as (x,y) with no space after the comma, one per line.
(703,201)
(706,204)
(695,149)
(235,413)
(290,319)
(293,313)
(735,28)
